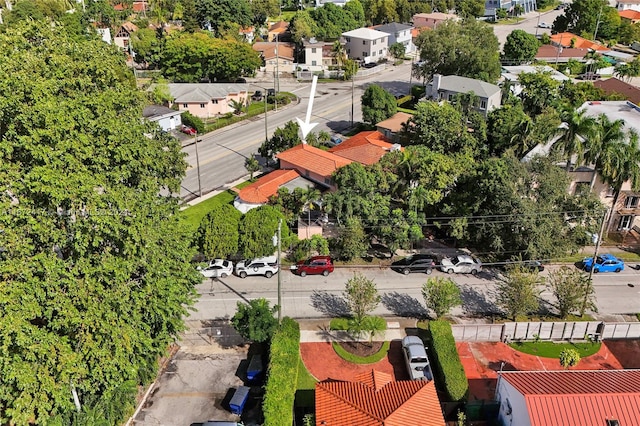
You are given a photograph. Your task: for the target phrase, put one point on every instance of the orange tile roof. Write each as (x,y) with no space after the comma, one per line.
(365,147)
(279,27)
(375,398)
(613,85)
(395,122)
(564,39)
(307,157)
(585,398)
(629,14)
(267,186)
(268,49)
(138,6)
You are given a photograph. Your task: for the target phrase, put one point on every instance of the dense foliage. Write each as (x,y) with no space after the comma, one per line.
(377,104)
(257,230)
(518,294)
(255,320)
(440,295)
(217,236)
(520,47)
(448,368)
(95,269)
(282,376)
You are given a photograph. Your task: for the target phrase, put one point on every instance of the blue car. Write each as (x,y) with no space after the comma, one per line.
(604,263)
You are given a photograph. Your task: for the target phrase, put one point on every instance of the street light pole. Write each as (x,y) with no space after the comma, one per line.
(279,273)
(198,167)
(266,131)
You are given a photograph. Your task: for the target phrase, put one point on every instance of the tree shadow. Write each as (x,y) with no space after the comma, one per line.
(475,303)
(330,304)
(403,305)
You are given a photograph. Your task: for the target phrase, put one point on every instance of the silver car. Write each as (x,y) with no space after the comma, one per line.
(415,356)
(461,264)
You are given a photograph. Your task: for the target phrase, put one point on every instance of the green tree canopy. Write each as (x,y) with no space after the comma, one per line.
(283,138)
(571,288)
(216,13)
(361,295)
(503,124)
(520,47)
(467,49)
(96,270)
(257,230)
(377,104)
(331,21)
(518,294)
(217,236)
(583,16)
(440,295)
(255,320)
(302,26)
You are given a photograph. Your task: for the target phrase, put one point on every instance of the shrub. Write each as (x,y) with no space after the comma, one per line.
(280,389)
(191,120)
(448,367)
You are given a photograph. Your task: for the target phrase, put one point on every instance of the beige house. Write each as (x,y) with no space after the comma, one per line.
(366,45)
(122,38)
(431,20)
(392,126)
(206,100)
(277,56)
(318,55)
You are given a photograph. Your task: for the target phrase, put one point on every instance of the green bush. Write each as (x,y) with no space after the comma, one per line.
(448,368)
(280,390)
(191,120)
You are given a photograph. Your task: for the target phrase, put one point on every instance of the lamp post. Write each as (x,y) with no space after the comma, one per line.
(266,132)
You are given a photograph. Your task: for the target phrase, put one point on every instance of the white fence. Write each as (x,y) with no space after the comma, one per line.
(573,330)
(362,73)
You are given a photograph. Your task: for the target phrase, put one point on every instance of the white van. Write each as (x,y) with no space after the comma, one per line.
(266,266)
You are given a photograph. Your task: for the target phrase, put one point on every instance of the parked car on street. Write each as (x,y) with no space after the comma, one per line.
(461,264)
(415,263)
(315,265)
(544,25)
(604,263)
(415,357)
(218,268)
(266,266)
(188,130)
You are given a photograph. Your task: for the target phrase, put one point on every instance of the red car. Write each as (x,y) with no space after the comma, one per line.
(313,266)
(188,130)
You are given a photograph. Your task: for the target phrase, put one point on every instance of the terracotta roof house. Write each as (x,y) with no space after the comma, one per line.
(613,85)
(391,127)
(580,398)
(312,163)
(248,33)
(137,6)
(571,40)
(278,30)
(365,148)
(631,15)
(276,55)
(259,192)
(375,398)
(548,53)
(431,20)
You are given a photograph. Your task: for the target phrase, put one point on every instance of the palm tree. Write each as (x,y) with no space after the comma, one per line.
(252,165)
(596,147)
(576,127)
(309,196)
(621,164)
(338,50)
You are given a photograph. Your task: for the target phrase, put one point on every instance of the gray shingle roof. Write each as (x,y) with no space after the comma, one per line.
(459,84)
(203,92)
(392,27)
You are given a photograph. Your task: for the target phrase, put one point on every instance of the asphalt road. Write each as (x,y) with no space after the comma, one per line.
(529,23)
(222,153)
(318,296)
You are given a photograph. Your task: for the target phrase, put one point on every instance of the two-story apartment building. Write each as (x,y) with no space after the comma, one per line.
(318,55)
(277,56)
(366,45)
(491,6)
(628,5)
(398,33)
(448,86)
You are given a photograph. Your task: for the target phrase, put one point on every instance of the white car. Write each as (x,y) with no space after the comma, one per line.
(266,266)
(415,357)
(218,268)
(544,25)
(461,264)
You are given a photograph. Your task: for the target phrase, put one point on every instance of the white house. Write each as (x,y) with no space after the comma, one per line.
(628,5)
(366,45)
(512,73)
(167,118)
(318,55)
(447,87)
(398,33)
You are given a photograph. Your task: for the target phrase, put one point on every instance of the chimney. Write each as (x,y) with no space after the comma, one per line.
(435,85)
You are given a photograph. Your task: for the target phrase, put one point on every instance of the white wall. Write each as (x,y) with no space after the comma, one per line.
(517,414)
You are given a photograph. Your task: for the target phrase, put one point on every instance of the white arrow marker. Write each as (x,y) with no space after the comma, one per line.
(306,126)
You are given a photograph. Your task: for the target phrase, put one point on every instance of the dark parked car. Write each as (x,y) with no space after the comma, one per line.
(257,95)
(315,265)
(415,263)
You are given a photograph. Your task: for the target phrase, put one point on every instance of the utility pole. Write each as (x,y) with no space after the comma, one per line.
(198,166)
(593,264)
(279,273)
(277,65)
(353,79)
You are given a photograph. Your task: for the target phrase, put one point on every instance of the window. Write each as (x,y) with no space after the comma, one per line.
(631,202)
(364,42)
(365,54)
(313,63)
(327,181)
(483,104)
(185,105)
(373,53)
(348,51)
(203,105)
(626,222)
(215,101)
(450,97)
(313,50)
(374,42)
(348,39)
(380,52)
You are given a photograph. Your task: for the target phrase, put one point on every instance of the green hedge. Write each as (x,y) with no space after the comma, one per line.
(447,363)
(280,390)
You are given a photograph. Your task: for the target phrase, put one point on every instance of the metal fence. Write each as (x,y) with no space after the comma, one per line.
(572,330)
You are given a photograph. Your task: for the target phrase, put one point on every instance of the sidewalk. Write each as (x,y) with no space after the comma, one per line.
(317,331)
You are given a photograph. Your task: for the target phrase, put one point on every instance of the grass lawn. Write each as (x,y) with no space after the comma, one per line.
(358,359)
(552,350)
(305,379)
(193,215)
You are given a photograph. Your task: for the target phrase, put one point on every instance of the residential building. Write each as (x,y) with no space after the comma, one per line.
(365,148)
(318,55)
(206,100)
(447,87)
(431,20)
(248,34)
(366,45)
(312,163)
(168,119)
(567,39)
(277,30)
(136,7)
(512,73)
(277,56)
(398,33)
(584,398)
(630,15)
(555,54)
(628,5)
(105,34)
(614,85)
(491,6)
(122,38)
(267,186)
(375,398)
(392,126)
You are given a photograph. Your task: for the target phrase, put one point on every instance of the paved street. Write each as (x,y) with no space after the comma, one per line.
(222,153)
(318,296)
(528,23)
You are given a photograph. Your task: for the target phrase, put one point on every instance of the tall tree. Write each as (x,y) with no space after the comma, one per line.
(361,295)
(520,47)
(604,134)
(377,104)
(217,235)
(283,138)
(95,267)
(303,26)
(257,230)
(214,14)
(468,49)
(584,16)
(355,9)
(571,288)
(539,91)
(255,320)
(440,295)
(518,294)
(577,127)
(262,9)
